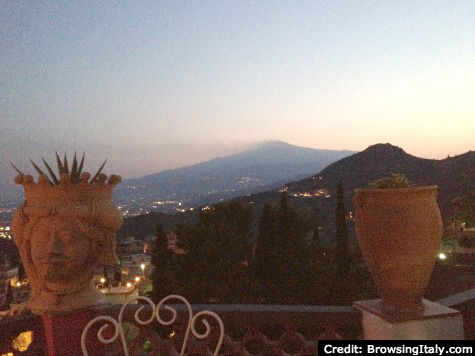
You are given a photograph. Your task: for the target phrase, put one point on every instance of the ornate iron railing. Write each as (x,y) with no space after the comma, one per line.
(249,329)
(155,314)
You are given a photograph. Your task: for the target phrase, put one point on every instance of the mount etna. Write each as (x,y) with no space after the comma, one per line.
(455,177)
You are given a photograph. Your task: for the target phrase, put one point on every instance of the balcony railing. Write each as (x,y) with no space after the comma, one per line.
(249,329)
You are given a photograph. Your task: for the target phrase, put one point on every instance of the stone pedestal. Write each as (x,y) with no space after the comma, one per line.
(434,322)
(63,334)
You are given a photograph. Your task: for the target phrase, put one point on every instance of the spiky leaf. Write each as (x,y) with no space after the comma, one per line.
(16,169)
(60,164)
(50,171)
(98,172)
(74,168)
(80,165)
(38,169)
(65,164)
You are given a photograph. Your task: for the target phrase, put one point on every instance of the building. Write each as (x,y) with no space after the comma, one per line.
(135,262)
(130,246)
(6,230)
(137,265)
(464,246)
(459,240)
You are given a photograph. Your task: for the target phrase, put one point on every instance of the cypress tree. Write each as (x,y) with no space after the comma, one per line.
(340,291)
(264,254)
(280,254)
(291,232)
(160,261)
(342,250)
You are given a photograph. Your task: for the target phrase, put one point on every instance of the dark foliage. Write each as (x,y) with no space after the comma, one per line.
(214,268)
(160,260)
(281,253)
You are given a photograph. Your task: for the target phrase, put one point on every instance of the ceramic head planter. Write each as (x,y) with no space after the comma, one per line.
(61,232)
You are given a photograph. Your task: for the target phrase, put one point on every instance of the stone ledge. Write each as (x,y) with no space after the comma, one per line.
(431,322)
(430,310)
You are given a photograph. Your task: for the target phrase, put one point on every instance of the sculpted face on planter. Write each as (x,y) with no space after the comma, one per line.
(61,255)
(62,232)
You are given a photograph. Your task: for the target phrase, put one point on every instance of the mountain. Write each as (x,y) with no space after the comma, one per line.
(266,167)
(455,177)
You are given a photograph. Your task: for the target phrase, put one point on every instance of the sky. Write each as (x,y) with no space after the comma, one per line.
(163,84)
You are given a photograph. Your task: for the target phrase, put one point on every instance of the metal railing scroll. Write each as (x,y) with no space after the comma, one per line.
(119,323)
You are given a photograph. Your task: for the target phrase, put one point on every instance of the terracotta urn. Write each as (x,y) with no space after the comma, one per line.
(399,233)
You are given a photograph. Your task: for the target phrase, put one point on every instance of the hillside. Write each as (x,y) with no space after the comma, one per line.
(455,177)
(264,168)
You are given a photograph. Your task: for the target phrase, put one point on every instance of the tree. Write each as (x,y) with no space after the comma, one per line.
(265,253)
(318,276)
(280,253)
(342,253)
(342,250)
(214,268)
(292,230)
(465,212)
(160,261)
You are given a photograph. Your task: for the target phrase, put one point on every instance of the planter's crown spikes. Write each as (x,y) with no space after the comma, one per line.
(83,200)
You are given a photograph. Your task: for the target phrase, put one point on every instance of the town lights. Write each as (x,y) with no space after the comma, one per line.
(442,256)
(137,279)
(129,284)
(142,266)
(103,280)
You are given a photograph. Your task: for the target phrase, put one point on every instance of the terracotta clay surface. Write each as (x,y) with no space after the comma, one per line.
(399,233)
(62,232)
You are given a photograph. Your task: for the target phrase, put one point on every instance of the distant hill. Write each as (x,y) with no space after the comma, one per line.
(455,177)
(266,167)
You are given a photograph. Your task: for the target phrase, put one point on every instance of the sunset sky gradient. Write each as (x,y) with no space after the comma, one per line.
(157,85)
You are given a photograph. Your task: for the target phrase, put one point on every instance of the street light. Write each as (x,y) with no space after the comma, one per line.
(142,266)
(137,279)
(129,284)
(103,280)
